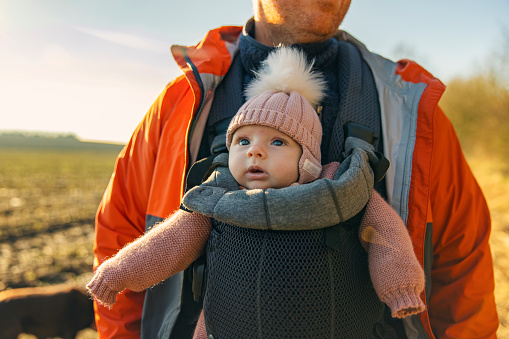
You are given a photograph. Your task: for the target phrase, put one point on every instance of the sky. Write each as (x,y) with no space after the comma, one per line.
(93,68)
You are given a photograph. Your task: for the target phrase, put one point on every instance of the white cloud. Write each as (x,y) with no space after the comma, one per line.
(56,56)
(128,39)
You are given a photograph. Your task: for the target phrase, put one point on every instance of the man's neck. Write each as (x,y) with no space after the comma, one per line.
(274,35)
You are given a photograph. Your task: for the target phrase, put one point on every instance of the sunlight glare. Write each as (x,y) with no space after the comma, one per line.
(56,56)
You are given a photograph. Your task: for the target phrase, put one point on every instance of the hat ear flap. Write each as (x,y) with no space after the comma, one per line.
(309,167)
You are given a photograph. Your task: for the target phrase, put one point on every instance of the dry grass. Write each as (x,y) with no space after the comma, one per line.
(48,200)
(493,177)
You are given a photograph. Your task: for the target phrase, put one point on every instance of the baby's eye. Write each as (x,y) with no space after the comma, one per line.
(278,143)
(243,142)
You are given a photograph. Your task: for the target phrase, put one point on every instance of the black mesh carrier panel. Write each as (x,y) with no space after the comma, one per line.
(273,284)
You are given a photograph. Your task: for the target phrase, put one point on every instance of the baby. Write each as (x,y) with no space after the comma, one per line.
(274,145)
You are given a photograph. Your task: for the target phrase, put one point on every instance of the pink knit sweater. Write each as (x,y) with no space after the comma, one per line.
(173,245)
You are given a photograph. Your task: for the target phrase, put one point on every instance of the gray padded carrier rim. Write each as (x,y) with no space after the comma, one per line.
(319,204)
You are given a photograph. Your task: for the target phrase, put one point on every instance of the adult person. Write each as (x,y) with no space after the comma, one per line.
(274,142)
(429,183)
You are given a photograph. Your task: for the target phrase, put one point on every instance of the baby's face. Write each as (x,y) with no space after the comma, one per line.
(263,157)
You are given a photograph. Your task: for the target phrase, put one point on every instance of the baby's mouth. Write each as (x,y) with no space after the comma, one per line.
(255,173)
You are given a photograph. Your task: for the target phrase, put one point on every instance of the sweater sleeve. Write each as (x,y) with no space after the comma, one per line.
(168,248)
(397,276)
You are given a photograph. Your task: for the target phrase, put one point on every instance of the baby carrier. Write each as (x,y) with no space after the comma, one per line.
(344,304)
(267,283)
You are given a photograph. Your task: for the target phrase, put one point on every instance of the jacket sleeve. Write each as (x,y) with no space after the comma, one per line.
(462,301)
(121,216)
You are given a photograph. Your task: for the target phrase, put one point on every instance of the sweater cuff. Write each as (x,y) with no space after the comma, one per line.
(101,291)
(404,302)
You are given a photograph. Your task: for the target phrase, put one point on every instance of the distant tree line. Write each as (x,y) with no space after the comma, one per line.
(45,140)
(478,107)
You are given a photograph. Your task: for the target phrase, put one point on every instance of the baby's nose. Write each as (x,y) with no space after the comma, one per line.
(256,151)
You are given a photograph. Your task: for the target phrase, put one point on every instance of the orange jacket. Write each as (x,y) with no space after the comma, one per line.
(429,184)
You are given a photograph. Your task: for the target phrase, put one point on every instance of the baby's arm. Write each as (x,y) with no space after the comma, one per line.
(395,272)
(397,276)
(168,248)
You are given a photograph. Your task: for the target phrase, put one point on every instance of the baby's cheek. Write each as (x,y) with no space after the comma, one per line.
(236,172)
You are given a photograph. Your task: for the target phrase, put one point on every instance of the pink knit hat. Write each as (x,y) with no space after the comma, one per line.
(282,97)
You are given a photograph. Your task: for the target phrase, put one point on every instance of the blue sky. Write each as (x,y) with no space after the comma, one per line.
(93,67)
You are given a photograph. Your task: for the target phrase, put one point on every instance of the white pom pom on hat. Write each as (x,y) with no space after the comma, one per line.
(283,96)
